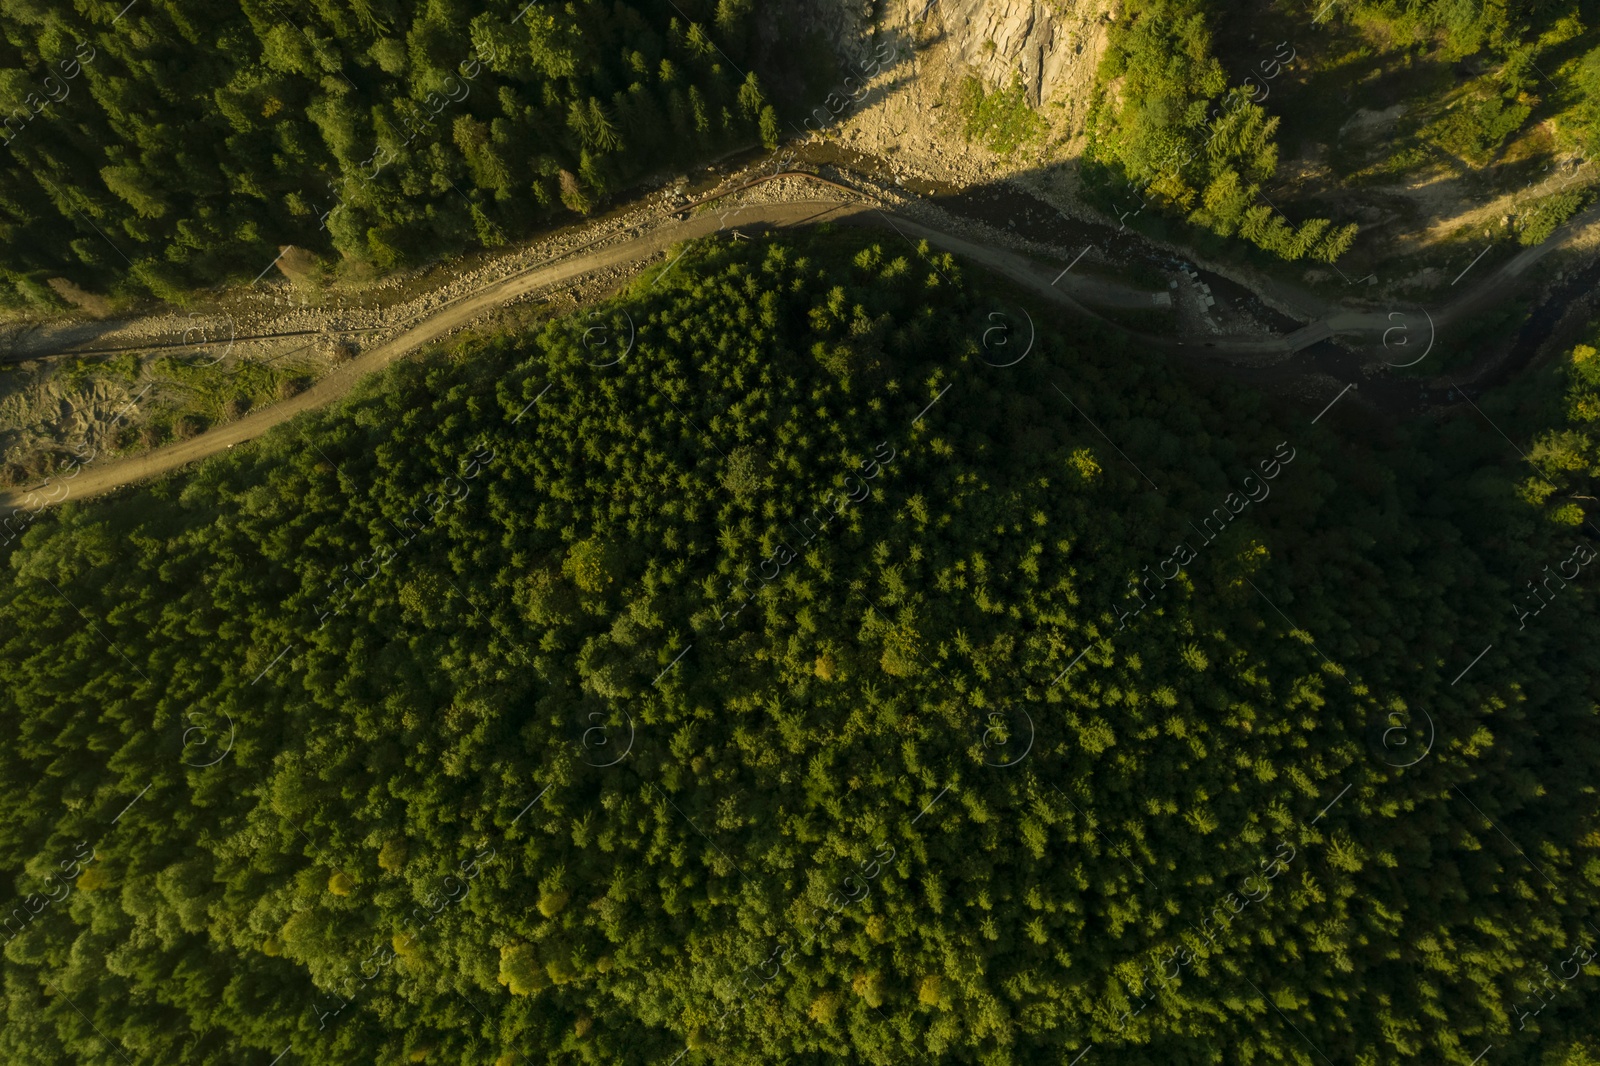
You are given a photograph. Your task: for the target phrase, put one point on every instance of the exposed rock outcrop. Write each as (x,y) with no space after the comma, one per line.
(1052,45)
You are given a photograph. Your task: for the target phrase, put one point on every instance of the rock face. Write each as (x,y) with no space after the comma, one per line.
(1052,45)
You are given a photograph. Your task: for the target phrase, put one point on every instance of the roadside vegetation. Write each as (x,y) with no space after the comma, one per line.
(108,406)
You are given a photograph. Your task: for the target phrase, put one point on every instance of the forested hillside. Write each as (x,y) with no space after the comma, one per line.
(1194,98)
(172,144)
(797,661)
(1171,132)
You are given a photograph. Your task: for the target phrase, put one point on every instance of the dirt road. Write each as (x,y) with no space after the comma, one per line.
(93,479)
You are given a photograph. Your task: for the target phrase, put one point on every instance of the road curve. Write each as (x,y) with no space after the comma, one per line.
(94,479)
(1075,293)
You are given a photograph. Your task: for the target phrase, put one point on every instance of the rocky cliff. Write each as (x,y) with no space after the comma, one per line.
(1051,45)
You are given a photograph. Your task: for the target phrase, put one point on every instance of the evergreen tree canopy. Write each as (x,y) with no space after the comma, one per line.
(754,670)
(378,131)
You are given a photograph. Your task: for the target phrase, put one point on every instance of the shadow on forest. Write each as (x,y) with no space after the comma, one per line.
(1393,348)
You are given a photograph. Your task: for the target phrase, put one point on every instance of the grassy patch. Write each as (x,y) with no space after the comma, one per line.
(1475,128)
(206,390)
(1001,120)
(1403,160)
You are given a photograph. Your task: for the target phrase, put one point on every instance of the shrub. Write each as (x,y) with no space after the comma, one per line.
(1002,120)
(520,971)
(826,1007)
(393,855)
(573,194)
(588,564)
(1475,129)
(869,986)
(93,878)
(1548,212)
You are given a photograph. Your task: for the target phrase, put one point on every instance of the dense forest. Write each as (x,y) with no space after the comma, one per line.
(796,660)
(172,144)
(1186,129)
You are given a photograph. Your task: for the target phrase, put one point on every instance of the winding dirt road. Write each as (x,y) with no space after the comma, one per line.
(93,479)
(1078,293)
